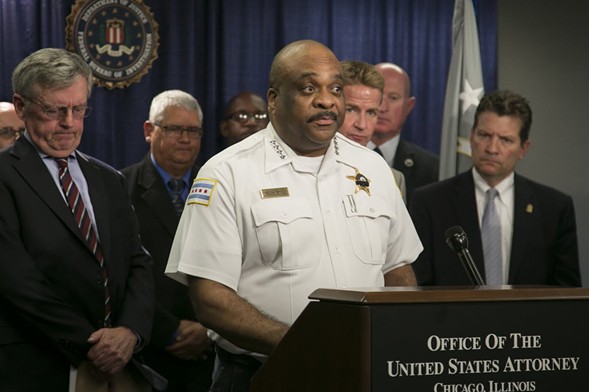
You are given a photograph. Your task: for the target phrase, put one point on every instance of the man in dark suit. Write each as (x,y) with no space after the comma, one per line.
(179,348)
(75,289)
(419,166)
(537,230)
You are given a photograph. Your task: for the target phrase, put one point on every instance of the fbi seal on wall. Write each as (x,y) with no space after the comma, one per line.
(117,38)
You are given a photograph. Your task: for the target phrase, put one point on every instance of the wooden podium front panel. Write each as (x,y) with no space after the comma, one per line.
(490,339)
(327,349)
(481,346)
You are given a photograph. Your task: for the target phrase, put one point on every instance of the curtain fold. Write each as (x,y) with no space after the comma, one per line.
(214,49)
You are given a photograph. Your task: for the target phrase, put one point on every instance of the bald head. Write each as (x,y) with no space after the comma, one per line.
(393,70)
(291,54)
(305,98)
(10,125)
(397,102)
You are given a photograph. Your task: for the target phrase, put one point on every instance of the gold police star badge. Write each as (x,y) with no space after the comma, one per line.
(362,183)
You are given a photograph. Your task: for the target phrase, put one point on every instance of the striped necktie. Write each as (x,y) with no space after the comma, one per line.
(491,236)
(76,204)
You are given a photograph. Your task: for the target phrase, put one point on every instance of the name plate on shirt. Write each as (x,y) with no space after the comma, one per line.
(274,192)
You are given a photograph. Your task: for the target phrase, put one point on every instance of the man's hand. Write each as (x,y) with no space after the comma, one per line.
(112,349)
(192,342)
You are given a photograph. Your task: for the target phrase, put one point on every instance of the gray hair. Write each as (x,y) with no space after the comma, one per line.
(48,69)
(176,98)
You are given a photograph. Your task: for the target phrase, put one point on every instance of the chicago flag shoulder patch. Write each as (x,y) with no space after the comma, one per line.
(201,191)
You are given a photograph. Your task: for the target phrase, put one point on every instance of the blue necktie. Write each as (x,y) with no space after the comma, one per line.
(177,186)
(491,236)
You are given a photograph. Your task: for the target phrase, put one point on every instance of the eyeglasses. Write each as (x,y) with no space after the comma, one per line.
(177,131)
(59,112)
(244,117)
(11,133)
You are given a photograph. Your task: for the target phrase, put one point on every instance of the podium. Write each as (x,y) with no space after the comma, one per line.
(440,339)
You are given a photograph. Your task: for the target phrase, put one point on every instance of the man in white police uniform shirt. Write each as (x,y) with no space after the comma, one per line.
(292,208)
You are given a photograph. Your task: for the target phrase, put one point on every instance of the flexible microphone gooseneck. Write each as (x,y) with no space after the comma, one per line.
(458,242)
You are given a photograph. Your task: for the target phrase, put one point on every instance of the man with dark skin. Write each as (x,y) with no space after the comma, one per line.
(246,113)
(252,251)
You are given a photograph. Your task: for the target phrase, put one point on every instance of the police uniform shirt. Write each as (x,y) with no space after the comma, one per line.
(272,229)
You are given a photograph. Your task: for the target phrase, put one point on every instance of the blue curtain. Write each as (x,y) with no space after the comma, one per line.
(216,48)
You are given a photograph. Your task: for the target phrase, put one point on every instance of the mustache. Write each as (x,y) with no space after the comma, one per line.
(325,114)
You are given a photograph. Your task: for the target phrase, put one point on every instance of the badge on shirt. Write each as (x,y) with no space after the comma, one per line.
(201,191)
(362,183)
(269,193)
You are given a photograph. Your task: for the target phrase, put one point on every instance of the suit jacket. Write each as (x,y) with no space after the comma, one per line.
(544,247)
(52,297)
(419,166)
(158,222)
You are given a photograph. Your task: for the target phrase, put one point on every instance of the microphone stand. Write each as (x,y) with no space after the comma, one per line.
(457,241)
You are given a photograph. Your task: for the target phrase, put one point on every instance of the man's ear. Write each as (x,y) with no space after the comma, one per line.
(271,98)
(19,105)
(223,128)
(147,130)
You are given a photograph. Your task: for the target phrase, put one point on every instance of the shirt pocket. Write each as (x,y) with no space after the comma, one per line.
(368,220)
(286,232)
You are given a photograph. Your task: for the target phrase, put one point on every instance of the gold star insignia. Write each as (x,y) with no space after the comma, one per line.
(362,183)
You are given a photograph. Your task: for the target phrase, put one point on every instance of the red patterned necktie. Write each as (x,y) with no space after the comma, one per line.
(75,202)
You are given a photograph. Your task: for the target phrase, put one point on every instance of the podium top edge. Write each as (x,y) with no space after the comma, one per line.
(413,294)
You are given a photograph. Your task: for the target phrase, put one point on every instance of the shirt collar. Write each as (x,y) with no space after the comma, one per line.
(388,148)
(482,186)
(278,153)
(165,175)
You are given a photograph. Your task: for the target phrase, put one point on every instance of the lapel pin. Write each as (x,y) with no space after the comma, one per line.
(529,208)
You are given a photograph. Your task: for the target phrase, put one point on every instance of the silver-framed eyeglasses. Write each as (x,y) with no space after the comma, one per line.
(177,131)
(10,133)
(243,117)
(59,112)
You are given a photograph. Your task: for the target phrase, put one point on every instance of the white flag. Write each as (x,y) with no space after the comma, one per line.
(464,89)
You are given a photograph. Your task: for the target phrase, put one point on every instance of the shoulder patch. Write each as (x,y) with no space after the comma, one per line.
(201,191)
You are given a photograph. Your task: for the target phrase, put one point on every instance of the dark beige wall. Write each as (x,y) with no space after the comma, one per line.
(544,55)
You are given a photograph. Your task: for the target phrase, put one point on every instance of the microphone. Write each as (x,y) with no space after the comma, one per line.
(458,242)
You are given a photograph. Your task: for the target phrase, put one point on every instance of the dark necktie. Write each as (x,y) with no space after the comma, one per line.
(491,236)
(76,204)
(177,186)
(377,150)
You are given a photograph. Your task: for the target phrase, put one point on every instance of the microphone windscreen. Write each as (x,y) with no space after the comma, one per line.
(456,238)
